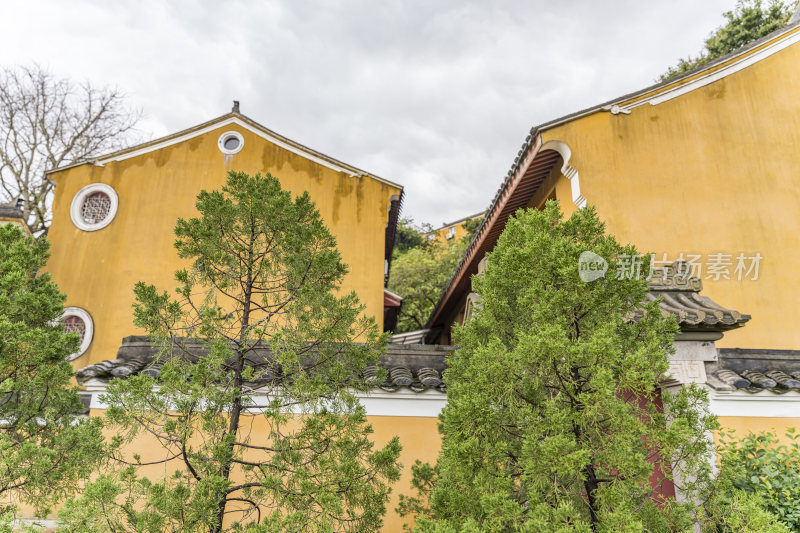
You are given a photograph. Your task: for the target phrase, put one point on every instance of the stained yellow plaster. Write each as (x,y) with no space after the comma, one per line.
(97,270)
(711,171)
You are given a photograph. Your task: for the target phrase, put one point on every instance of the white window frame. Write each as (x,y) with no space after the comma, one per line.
(77,206)
(88,332)
(227,135)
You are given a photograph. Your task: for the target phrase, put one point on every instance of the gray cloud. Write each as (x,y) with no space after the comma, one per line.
(436,95)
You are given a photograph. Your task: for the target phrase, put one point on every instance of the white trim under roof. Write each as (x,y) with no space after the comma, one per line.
(567,170)
(760,405)
(392,294)
(247,125)
(745,61)
(425,404)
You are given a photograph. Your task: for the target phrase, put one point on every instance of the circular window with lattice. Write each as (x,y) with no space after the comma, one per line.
(77,320)
(94,207)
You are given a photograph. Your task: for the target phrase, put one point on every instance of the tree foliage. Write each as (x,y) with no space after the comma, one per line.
(419,275)
(554,418)
(44,448)
(248,443)
(750,20)
(421,269)
(472,225)
(409,236)
(759,465)
(730,510)
(47,122)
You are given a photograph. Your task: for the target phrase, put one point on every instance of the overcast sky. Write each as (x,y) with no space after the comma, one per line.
(435,95)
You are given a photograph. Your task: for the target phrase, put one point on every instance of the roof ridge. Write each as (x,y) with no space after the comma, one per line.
(138,146)
(233,116)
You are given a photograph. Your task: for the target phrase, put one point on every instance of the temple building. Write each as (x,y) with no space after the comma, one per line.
(113,217)
(702,171)
(113,220)
(453,231)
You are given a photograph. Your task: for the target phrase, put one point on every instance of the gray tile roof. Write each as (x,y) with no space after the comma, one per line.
(411,337)
(10,211)
(755,371)
(680,297)
(416,367)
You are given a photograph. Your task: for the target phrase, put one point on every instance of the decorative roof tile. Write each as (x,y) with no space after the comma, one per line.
(754,371)
(679,297)
(417,367)
(411,337)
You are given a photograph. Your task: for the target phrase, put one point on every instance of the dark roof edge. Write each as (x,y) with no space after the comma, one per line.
(418,367)
(429,325)
(395,208)
(11,211)
(759,353)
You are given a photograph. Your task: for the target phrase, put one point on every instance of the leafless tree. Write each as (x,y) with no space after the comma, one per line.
(47,122)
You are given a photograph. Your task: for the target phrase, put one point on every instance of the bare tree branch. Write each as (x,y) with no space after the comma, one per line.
(47,122)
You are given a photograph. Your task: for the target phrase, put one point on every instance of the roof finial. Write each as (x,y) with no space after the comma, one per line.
(235,106)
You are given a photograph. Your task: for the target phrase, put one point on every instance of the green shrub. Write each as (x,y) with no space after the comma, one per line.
(759,465)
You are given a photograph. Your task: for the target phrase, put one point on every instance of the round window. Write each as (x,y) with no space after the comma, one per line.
(79,321)
(94,207)
(230,142)
(75,323)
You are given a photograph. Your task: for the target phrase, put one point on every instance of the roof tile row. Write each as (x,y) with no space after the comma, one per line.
(417,367)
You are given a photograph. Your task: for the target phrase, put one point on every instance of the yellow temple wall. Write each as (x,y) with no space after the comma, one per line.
(418,436)
(714,170)
(97,270)
(743,425)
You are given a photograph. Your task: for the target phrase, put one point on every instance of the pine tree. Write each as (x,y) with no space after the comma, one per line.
(252,442)
(554,420)
(45,447)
